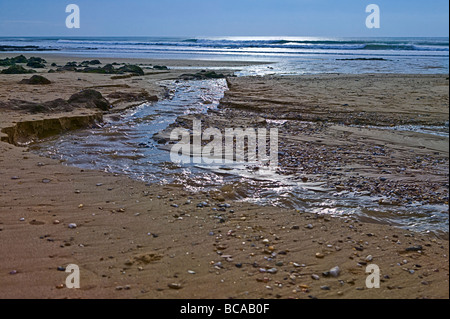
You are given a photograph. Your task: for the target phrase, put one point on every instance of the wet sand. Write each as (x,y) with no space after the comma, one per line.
(149,241)
(348,131)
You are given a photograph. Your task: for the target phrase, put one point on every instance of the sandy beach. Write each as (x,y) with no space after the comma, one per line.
(138,240)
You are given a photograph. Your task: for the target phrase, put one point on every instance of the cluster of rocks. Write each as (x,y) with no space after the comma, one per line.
(17,69)
(202,75)
(160,67)
(84,99)
(87,67)
(32,62)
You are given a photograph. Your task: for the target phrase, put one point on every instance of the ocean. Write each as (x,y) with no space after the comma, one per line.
(290,55)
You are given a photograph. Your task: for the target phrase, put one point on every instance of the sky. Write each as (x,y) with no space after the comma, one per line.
(329,18)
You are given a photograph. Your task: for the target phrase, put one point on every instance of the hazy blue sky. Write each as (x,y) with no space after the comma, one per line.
(344,18)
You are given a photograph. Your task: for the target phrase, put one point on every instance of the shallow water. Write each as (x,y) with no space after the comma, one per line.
(126,146)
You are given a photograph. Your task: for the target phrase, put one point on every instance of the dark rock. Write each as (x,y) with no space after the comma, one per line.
(19,59)
(202,75)
(160,67)
(91,99)
(67,67)
(131,69)
(36,80)
(5,62)
(37,63)
(97,70)
(12,61)
(109,68)
(92,62)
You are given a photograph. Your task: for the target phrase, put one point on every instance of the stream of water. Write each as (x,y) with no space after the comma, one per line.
(124,145)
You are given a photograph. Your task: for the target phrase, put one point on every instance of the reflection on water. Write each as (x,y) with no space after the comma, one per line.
(125,145)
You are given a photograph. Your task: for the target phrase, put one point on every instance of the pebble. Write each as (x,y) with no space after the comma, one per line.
(15,177)
(335,271)
(325,287)
(315,277)
(174,286)
(72,225)
(191,272)
(13,272)
(309,226)
(46,181)
(61,268)
(320,255)
(369,258)
(22,219)
(272,271)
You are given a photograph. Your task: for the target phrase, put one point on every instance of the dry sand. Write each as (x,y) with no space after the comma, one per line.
(132,242)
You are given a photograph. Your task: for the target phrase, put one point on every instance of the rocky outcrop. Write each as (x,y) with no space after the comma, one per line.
(89,99)
(160,67)
(37,63)
(110,69)
(17,69)
(33,62)
(202,75)
(36,80)
(83,99)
